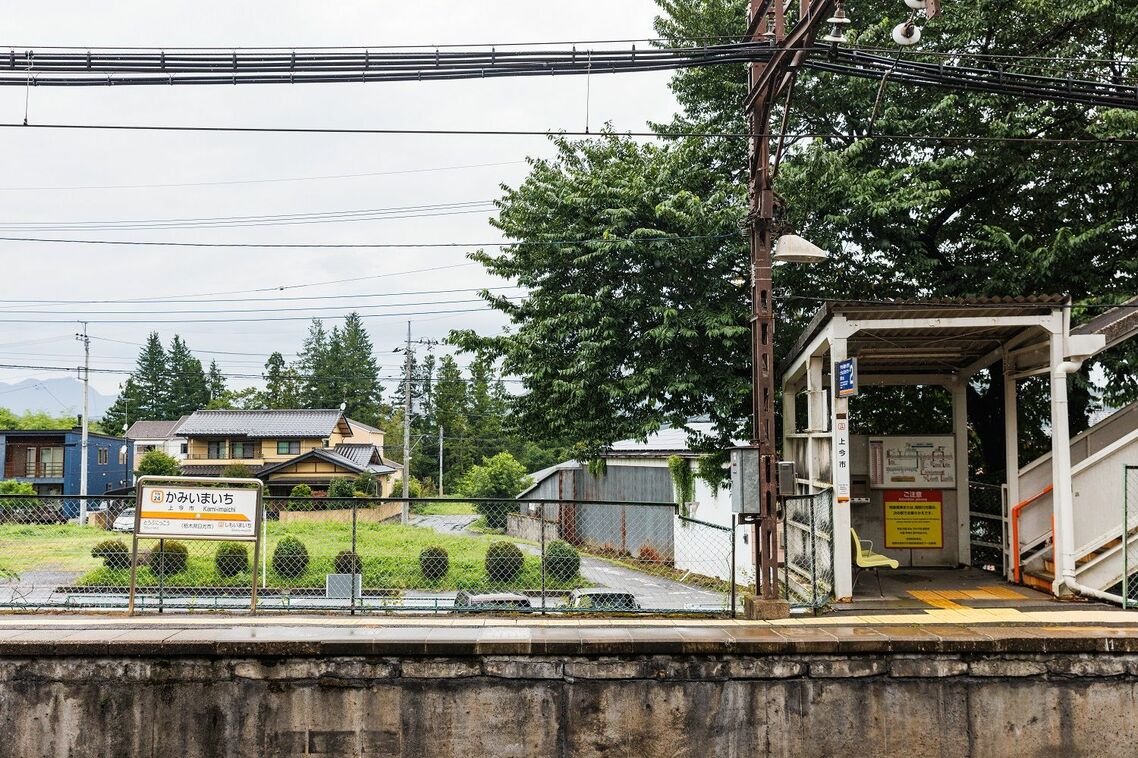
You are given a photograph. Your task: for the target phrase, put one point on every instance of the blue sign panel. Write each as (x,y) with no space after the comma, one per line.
(847,377)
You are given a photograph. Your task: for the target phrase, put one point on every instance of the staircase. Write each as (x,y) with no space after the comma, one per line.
(1105,548)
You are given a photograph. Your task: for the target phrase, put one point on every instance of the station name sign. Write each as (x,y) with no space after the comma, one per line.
(197,512)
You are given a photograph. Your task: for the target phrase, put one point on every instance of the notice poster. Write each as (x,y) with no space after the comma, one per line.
(198,513)
(914,519)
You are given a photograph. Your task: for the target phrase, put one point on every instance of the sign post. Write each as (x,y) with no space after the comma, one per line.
(197,508)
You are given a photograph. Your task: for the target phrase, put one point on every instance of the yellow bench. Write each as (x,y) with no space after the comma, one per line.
(865,558)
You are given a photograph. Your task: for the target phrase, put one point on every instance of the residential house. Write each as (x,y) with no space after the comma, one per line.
(50,459)
(285,448)
(158,435)
(692,538)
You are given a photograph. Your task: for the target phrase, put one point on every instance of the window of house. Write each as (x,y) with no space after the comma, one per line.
(185,448)
(122,455)
(288,447)
(215,449)
(104,456)
(244,449)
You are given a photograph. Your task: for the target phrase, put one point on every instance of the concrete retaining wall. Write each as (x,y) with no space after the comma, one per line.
(529,528)
(373,514)
(1069,704)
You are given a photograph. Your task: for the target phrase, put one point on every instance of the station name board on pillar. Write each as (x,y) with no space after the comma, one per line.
(846,374)
(842,458)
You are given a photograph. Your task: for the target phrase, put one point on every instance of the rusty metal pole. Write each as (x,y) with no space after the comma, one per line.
(767,23)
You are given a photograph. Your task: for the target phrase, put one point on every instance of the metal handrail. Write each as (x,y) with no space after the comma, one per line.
(1016,568)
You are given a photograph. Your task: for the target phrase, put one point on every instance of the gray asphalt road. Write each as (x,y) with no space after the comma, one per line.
(650,591)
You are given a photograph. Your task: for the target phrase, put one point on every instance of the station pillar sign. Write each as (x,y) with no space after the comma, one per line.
(847,377)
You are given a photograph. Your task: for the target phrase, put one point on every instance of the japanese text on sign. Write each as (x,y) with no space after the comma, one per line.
(913,519)
(198,512)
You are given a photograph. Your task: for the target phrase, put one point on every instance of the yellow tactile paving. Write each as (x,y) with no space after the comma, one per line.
(1004,593)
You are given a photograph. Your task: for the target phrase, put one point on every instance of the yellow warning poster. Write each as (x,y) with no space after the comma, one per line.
(913,519)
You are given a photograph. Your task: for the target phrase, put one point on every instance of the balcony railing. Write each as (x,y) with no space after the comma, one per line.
(24,470)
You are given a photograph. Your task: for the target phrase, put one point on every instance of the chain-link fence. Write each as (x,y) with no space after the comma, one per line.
(988,530)
(1128,535)
(359,555)
(808,549)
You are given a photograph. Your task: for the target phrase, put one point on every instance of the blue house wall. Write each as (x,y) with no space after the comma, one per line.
(101,477)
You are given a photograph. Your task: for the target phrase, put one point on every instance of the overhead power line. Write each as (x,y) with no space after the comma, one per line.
(64,67)
(352,296)
(283,219)
(369,245)
(264,180)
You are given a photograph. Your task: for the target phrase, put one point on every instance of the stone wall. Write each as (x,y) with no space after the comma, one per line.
(794,705)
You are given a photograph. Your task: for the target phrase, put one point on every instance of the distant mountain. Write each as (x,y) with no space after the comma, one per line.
(59,397)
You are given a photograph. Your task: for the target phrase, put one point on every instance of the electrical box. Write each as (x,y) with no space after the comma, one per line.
(787,479)
(745,480)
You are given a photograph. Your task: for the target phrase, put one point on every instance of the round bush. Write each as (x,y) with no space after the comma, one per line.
(342,488)
(434,562)
(299,498)
(290,558)
(114,554)
(169,558)
(503,561)
(562,561)
(348,562)
(231,559)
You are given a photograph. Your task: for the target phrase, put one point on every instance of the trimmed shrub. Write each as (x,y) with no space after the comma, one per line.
(342,488)
(168,558)
(231,559)
(562,561)
(290,558)
(304,492)
(434,562)
(114,554)
(504,561)
(347,562)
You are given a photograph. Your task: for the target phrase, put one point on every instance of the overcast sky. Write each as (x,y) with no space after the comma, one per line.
(43,172)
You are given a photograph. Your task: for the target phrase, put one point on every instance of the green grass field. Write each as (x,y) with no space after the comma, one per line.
(454,508)
(389,552)
(32,547)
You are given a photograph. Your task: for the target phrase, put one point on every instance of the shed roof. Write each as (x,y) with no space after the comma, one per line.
(940,348)
(309,424)
(153,430)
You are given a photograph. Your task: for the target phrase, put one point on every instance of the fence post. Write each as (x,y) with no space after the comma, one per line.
(541,528)
(785,552)
(161,573)
(1125,537)
(813,555)
(734,536)
(355,559)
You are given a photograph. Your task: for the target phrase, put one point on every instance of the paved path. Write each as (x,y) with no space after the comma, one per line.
(651,591)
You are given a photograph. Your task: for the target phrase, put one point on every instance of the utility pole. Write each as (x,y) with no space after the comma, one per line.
(407,429)
(767,80)
(440,460)
(85,423)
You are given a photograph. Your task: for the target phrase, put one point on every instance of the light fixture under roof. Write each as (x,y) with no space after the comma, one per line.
(791,248)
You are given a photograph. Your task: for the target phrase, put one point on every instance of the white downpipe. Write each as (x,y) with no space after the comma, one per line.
(1061,465)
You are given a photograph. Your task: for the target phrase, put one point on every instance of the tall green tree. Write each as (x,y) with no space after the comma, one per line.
(282,387)
(188,388)
(355,370)
(215,382)
(616,339)
(313,368)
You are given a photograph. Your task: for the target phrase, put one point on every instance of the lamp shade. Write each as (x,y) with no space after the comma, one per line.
(791,248)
